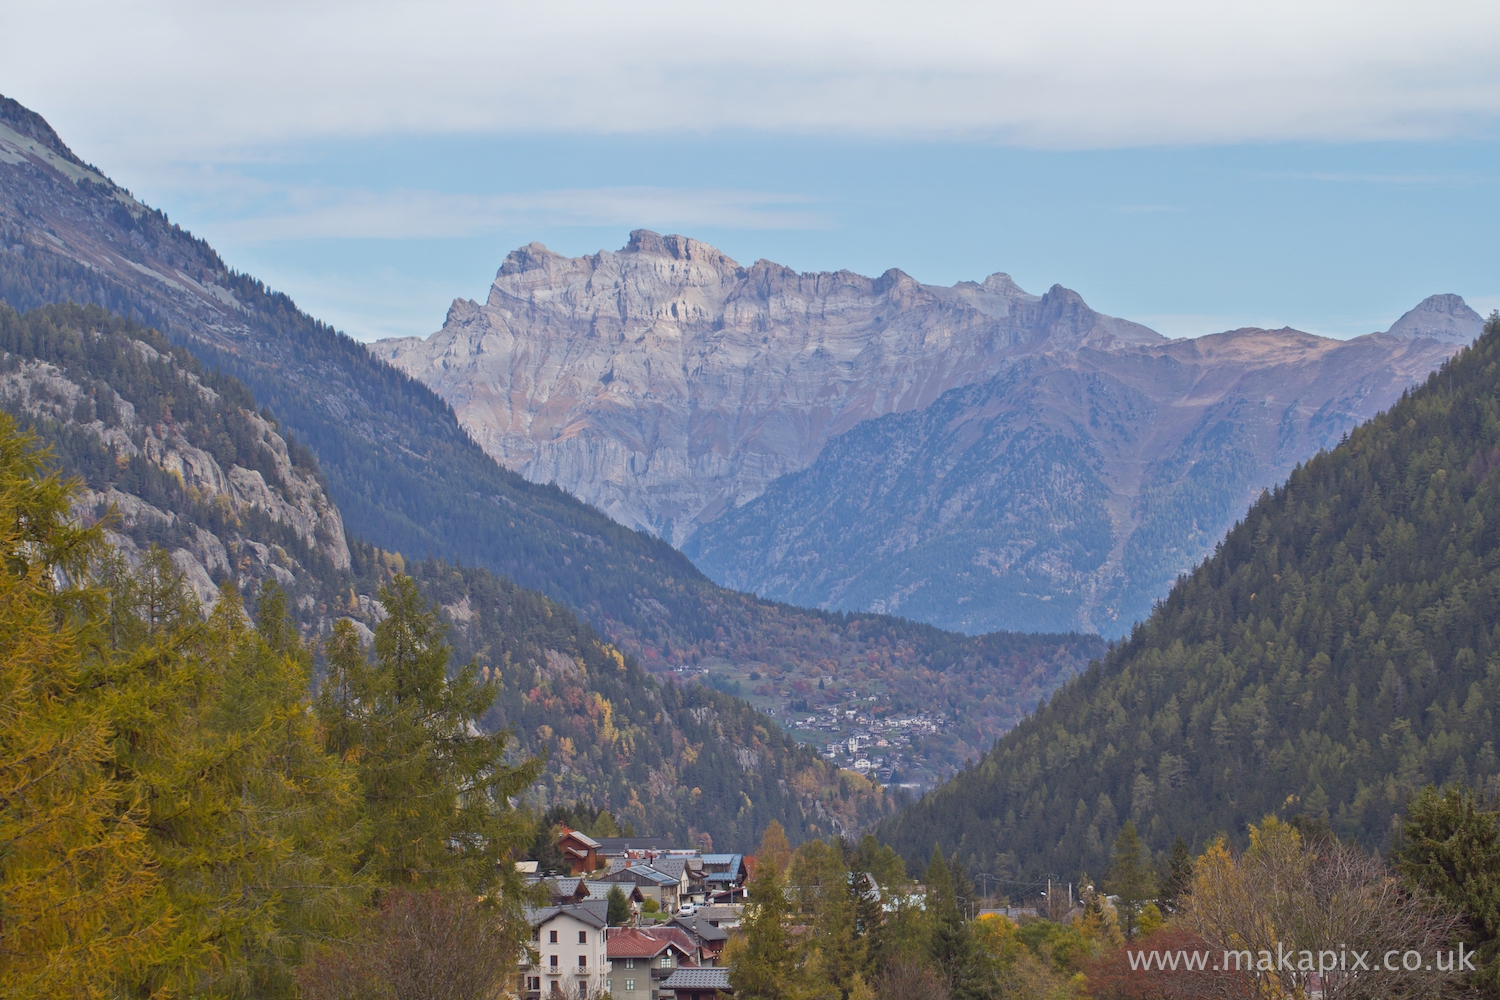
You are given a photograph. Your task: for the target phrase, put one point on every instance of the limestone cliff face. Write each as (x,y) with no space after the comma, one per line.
(666,383)
(216,531)
(975,456)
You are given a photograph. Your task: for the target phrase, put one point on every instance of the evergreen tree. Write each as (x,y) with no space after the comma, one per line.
(76,890)
(619,907)
(840,954)
(950,944)
(1130,879)
(1451,849)
(252,824)
(765,963)
(435,788)
(1178,878)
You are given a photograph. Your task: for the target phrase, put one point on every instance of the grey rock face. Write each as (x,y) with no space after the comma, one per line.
(1440,317)
(975,456)
(666,383)
(38,391)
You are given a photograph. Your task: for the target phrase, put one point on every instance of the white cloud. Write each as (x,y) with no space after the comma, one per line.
(319,213)
(173,79)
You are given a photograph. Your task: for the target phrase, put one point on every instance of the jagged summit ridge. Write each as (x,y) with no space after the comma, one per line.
(665,382)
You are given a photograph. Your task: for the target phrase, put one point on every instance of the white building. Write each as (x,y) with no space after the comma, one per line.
(572,951)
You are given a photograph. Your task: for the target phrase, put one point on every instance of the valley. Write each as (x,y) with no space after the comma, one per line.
(406,477)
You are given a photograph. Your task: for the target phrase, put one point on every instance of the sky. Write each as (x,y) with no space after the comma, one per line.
(1192,166)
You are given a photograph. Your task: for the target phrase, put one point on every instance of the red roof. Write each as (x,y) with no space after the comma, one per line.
(641,942)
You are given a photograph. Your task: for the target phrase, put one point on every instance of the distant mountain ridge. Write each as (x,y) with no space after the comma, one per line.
(1068,491)
(975,457)
(665,383)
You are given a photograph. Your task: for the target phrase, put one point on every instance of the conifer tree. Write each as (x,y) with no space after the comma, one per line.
(252,824)
(619,907)
(1451,850)
(1130,879)
(436,789)
(75,886)
(765,964)
(950,944)
(1179,876)
(839,949)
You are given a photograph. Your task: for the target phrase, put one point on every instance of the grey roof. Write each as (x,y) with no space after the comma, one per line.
(670,866)
(589,911)
(640,875)
(722,859)
(700,928)
(699,979)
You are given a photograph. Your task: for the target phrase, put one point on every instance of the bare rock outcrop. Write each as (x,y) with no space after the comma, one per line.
(666,383)
(1440,317)
(40,391)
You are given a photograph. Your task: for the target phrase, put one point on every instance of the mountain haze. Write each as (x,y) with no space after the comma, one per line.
(667,384)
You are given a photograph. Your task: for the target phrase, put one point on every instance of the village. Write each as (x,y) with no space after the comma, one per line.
(680,907)
(638,918)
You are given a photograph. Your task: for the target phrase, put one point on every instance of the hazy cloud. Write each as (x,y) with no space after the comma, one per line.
(176,79)
(357,214)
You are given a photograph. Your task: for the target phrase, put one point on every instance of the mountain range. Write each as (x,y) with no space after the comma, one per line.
(407,478)
(973,456)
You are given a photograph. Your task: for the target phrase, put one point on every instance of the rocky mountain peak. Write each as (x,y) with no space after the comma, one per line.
(1001,283)
(28,124)
(665,383)
(644,241)
(533,256)
(1440,317)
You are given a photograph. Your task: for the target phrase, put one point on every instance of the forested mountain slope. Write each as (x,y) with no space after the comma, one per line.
(178,455)
(1339,650)
(407,477)
(185,462)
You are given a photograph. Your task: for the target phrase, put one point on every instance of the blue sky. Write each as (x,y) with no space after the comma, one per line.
(1193,167)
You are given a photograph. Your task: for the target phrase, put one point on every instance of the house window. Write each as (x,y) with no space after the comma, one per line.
(666,960)
(553,963)
(629,964)
(583,961)
(583,937)
(629,985)
(554,936)
(533,983)
(609,986)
